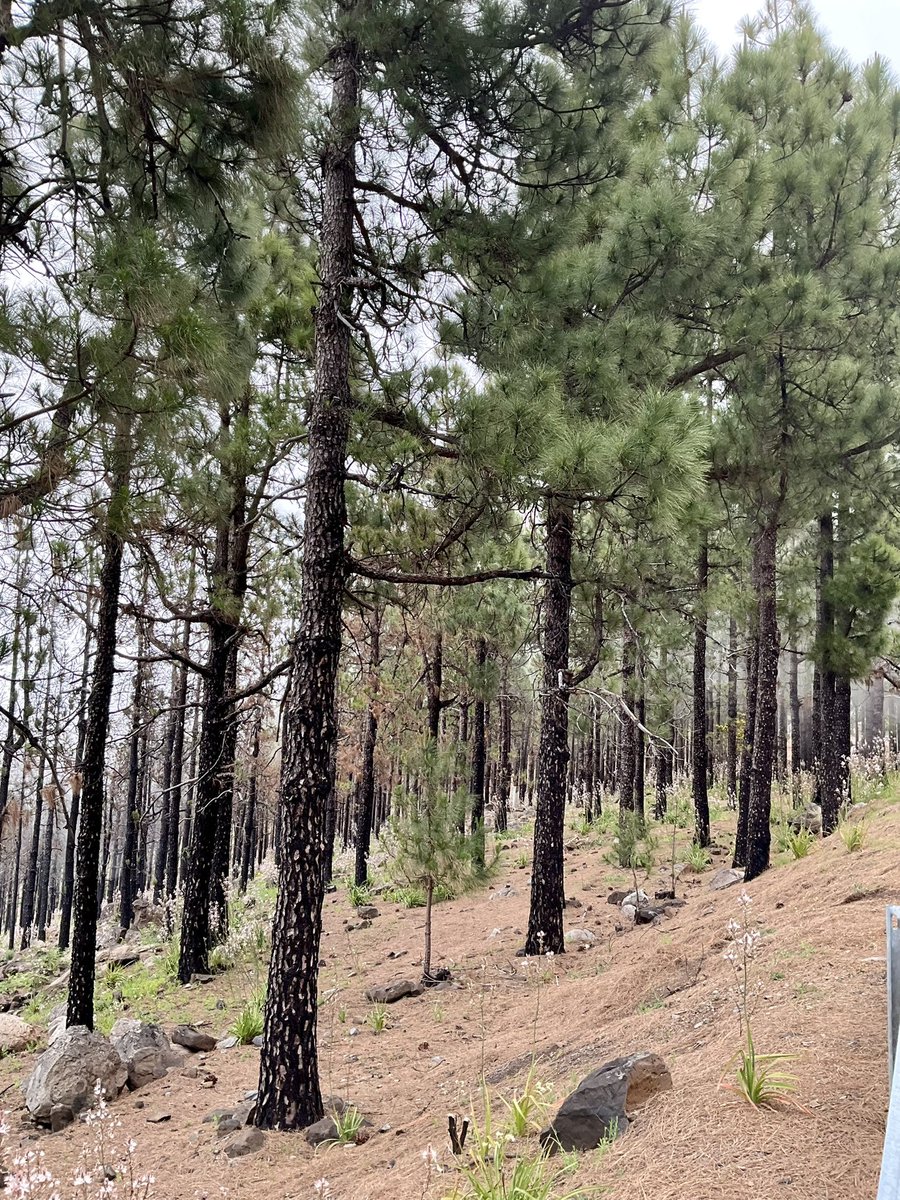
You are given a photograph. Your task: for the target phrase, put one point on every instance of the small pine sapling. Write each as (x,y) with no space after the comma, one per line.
(431,851)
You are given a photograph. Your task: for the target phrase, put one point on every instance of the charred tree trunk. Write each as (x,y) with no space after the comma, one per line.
(700,761)
(80,1008)
(545,917)
(828,769)
(732,717)
(365,803)
(132,803)
(766,718)
(289,1095)
(477,781)
(504,763)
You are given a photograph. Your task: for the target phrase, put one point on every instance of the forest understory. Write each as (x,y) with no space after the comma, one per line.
(818,982)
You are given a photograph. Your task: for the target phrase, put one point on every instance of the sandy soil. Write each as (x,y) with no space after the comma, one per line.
(821,975)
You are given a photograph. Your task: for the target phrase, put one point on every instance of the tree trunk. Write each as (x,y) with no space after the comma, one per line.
(700,761)
(732,715)
(289,1095)
(477,783)
(740,843)
(365,803)
(80,1008)
(132,803)
(545,917)
(828,771)
(195,920)
(504,763)
(766,717)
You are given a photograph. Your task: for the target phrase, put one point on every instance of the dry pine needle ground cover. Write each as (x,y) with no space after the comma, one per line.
(820,975)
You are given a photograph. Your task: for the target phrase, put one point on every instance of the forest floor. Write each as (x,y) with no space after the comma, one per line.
(819,975)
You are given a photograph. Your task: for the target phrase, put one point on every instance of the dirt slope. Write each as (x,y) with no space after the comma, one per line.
(820,970)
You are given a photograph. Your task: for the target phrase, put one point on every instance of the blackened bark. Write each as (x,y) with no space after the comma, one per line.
(794,704)
(504,763)
(639,755)
(43,884)
(68,878)
(765,723)
(828,767)
(545,917)
(700,759)
(731,716)
(289,1094)
(132,819)
(80,1008)
(173,843)
(628,731)
(248,838)
(195,921)
(12,742)
(434,681)
(740,842)
(477,781)
(365,800)
(29,891)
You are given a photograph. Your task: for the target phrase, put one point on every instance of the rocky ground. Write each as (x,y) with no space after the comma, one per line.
(663,987)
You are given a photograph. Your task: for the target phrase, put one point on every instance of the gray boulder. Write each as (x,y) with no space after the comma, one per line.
(600,1104)
(67,1073)
(145,1050)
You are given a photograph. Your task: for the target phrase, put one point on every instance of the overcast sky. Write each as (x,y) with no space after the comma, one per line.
(861,27)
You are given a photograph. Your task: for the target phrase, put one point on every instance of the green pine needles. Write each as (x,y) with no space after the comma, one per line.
(433,849)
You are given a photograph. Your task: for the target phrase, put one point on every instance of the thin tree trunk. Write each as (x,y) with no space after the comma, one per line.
(80,1008)
(545,917)
(765,724)
(365,804)
(700,763)
(732,716)
(477,783)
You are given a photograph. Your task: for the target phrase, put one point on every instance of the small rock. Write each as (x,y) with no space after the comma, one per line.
(159,1118)
(367,912)
(140,1104)
(245,1141)
(321,1131)
(227,1043)
(582,938)
(636,899)
(192,1038)
(60,1116)
(257,1041)
(504,892)
(199,977)
(15,1034)
(390,993)
(726,877)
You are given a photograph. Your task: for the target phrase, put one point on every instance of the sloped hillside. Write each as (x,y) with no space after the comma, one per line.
(820,975)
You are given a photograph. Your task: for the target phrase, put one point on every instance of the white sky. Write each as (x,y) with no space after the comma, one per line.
(861,27)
